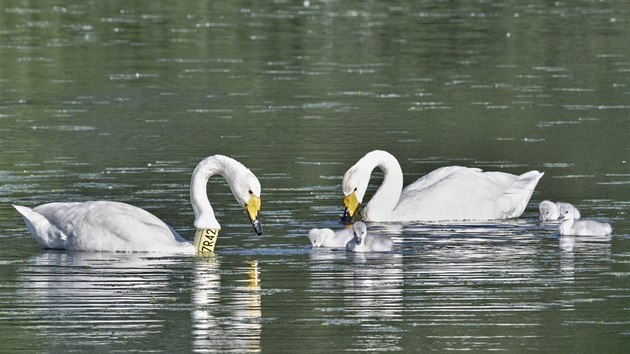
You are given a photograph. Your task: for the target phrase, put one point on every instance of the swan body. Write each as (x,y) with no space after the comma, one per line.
(364,242)
(446,194)
(571,226)
(550,211)
(115,226)
(329,238)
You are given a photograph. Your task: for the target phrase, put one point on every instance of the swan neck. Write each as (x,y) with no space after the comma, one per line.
(387,195)
(204,214)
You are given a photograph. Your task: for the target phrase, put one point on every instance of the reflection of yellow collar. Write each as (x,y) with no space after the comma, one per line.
(205,239)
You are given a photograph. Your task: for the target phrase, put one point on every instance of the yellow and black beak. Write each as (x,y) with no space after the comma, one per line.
(352,211)
(252,207)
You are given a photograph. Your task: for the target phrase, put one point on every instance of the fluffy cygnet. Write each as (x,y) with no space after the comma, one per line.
(362,242)
(550,211)
(329,238)
(570,226)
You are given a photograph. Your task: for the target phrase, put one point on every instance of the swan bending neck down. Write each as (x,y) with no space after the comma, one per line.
(446,194)
(115,226)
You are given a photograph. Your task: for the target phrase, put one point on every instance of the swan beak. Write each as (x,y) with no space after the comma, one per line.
(350,213)
(252,207)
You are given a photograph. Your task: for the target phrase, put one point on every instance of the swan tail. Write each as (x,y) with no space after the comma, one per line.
(40,228)
(514,200)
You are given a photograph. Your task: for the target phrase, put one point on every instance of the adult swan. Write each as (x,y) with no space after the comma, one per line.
(448,193)
(114,226)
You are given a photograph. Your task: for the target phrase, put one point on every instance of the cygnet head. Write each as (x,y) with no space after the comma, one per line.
(568,212)
(318,236)
(548,211)
(568,206)
(360,231)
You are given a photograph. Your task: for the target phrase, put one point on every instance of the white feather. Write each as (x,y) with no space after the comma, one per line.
(329,238)
(448,193)
(364,242)
(571,226)
(115,226)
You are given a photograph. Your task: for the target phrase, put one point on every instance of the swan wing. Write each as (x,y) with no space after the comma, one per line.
(460,193)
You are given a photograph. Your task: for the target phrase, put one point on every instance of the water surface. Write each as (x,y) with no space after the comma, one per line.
(119,100)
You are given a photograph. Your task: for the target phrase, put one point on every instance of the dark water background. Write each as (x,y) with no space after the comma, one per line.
(119,100)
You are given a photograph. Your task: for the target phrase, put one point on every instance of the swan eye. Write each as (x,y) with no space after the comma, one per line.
(355,189)
(250,192)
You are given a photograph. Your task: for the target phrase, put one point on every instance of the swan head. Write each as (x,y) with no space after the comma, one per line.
(242,182)
(568,212)
(354,185)
(359,229)
(247,193)
(548,211)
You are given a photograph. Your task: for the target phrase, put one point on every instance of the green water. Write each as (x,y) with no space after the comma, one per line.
(119,100)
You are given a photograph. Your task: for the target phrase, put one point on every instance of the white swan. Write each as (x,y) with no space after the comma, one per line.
(570,226)
(114,226)
(329,238)
(550,211)
(362,242)
(448,193)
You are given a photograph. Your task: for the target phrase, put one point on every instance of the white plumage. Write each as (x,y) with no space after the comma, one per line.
(550,211)
(448,193)
(364,242)
(570,226)
(329,238)
(115,226)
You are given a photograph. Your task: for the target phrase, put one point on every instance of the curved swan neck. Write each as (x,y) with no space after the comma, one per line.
(387,195)
(210,166)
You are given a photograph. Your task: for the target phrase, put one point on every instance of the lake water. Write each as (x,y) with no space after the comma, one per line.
(119,100)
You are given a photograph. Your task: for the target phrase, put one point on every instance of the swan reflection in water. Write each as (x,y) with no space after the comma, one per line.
(121,298)
(229,317)
(94,297)
(371,291)
(595,247)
